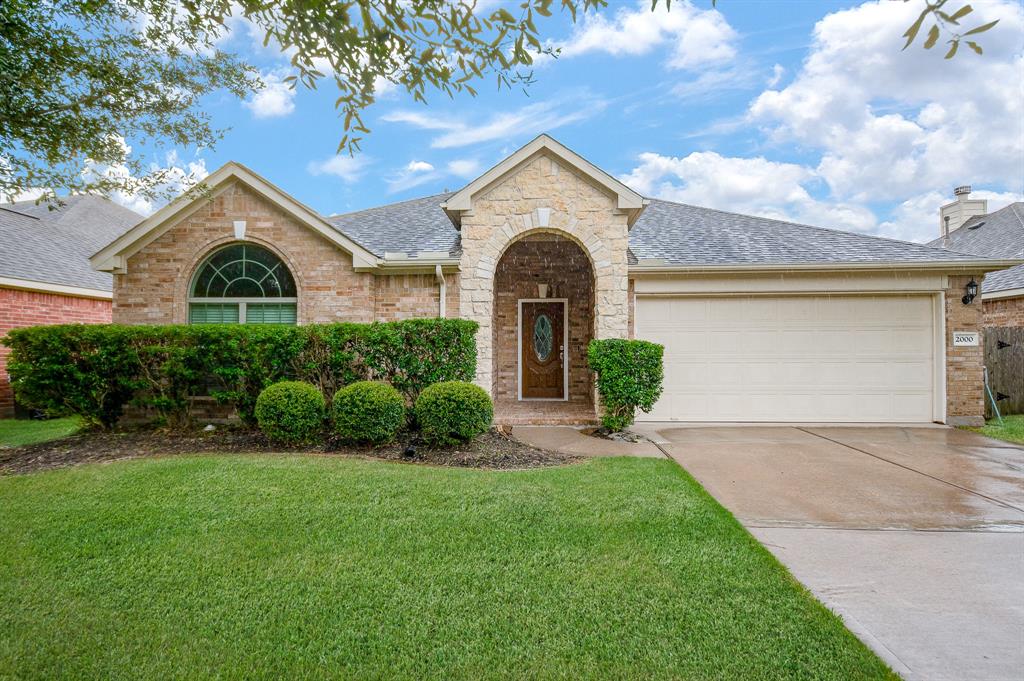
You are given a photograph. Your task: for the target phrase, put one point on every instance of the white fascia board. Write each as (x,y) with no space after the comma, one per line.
(60,289)
(626,198)
(113,257)
(1005,293)
(968,267)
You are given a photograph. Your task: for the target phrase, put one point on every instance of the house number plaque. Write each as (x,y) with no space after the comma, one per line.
(965,338)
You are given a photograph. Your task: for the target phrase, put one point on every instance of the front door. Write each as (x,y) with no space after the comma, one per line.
(542,350)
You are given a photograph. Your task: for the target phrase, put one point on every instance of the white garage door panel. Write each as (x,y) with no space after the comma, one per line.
(795,358)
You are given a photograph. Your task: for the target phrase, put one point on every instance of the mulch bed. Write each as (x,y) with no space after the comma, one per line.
(492,450)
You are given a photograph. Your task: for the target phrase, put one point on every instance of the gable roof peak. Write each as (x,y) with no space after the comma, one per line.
(627,200)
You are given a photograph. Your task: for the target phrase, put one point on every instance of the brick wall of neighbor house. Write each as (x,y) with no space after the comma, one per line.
(564,267)
(965,401)
(1004,312)
(155,288)
(404,296)
(579,210)
(32,308)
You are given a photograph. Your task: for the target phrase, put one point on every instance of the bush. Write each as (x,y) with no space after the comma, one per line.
(368,411)
(81,369)
(453,411)
(94,371)
(629,377)
(291,412)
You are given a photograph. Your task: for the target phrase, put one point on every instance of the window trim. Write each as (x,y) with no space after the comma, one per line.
(243,301)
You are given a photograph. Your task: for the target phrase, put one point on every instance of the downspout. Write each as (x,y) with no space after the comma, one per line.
(442,293)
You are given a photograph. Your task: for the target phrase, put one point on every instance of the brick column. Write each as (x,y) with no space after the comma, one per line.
(965,390)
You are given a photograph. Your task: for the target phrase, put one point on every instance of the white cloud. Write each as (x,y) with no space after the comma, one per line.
(419,167)
(348,168)
(892,124)
(412,175)
(693,37)
(276,99)
(754,186)
(778,71)
(917,218)
(526,121)
(464,167)
(177,176)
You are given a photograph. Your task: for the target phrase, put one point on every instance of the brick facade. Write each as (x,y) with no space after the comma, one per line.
(562,265)
(965,400)
(405,296)
(544,222)
(154,290)
(1004,311)
(32,308)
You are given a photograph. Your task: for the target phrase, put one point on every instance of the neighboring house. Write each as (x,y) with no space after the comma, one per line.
(761,320)
(966,226)
(45,276)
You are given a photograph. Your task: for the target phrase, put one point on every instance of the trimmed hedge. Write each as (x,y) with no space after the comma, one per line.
(291,412)
(453,411)
(629,377)
(94,371)
(368,412)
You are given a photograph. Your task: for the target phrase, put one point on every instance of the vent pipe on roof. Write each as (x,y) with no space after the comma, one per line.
(953,215)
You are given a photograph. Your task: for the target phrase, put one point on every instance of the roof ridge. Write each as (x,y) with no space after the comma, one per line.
(17,212)
(831,230)
(387,205)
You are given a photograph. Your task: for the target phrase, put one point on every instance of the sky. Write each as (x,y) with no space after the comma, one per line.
(805,110)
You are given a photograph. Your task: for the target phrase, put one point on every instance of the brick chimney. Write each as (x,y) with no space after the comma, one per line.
(953,215)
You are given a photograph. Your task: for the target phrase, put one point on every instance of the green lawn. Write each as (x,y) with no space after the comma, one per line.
(317,567)
(1012,429)
(17,432)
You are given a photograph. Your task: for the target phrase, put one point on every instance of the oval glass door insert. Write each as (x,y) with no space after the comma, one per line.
(543,337)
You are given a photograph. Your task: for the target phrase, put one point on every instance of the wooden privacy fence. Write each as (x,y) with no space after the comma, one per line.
(1004,358)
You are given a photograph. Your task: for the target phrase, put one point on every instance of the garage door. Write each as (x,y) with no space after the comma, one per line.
(793,358)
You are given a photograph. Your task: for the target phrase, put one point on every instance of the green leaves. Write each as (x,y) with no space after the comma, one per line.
(629,377)
(943,21)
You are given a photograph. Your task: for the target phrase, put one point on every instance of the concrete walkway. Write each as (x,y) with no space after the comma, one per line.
(914,536)
(571,441)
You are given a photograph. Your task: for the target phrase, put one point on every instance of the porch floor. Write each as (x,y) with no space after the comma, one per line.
(543,413)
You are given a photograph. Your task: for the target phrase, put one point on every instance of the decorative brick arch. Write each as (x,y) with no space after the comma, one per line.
(543,195)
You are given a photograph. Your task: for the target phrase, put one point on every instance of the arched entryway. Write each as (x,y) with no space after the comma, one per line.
(543,320)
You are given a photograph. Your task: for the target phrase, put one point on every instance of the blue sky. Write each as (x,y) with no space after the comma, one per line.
(800,109)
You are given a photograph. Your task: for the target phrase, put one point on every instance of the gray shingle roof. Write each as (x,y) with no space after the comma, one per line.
(53,246)
(688,235)
(999,234)
(407,227)
(677,233)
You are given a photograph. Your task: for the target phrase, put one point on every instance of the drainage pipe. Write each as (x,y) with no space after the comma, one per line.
(442,292)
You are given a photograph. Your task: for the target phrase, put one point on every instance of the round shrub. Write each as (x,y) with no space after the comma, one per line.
(368,411)
(291,412)
(453,411)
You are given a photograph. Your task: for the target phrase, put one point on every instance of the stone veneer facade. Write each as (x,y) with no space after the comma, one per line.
(543,195)
(155,288)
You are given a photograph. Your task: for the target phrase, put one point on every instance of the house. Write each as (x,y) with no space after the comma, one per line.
(45,277)
(966,226)
(761,320)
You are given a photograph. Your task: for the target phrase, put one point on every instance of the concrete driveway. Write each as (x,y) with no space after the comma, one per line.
(915,536)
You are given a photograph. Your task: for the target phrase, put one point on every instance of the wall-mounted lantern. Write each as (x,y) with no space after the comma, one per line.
(970,292)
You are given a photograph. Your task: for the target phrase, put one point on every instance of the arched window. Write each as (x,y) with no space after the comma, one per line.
(245,284)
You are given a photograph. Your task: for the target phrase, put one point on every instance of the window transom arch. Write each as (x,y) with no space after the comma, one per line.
(243,283)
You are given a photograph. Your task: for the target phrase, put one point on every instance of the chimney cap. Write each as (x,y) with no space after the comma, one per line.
(962,190)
